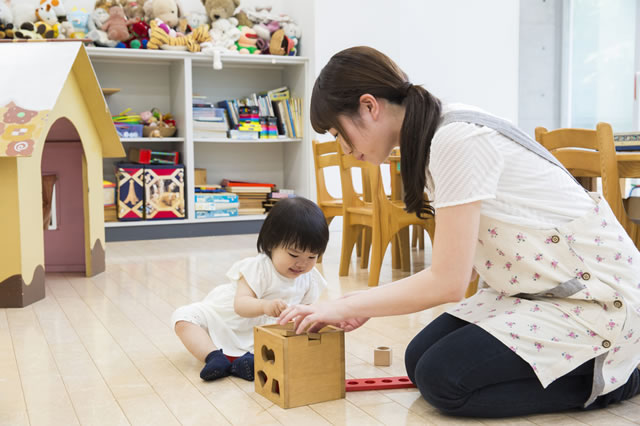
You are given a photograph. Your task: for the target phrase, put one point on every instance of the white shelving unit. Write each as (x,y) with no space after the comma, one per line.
(167,80)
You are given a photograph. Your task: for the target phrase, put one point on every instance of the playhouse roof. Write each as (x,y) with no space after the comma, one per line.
(32,80)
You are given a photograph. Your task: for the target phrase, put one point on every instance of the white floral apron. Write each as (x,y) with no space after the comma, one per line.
(558,297)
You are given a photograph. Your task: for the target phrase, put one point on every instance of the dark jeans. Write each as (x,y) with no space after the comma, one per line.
(462,370)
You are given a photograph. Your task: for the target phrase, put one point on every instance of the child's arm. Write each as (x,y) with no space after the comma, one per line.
(246,303)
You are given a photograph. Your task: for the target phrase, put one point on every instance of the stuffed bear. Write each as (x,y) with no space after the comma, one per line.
(224,33)
(194,12)
(165,10)
(99,16)
(116,25)
(217,9)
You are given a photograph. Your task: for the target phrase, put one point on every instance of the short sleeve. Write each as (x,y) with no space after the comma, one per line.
(316,287)
(465,164)
(255,273)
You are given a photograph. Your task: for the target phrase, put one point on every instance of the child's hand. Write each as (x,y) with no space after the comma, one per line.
(274,308)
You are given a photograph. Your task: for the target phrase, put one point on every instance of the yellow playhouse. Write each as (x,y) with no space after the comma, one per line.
(55,129)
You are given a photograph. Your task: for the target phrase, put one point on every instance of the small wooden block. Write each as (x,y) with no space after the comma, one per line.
(382,356)
(378,383)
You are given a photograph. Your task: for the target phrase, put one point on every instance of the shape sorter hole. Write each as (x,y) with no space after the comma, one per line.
(352,383)
(369,381)
(262,377)
(386,381)
(268,355)
(403,380)
(275,387)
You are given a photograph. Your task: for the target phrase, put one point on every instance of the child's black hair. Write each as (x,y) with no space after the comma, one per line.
(294,223)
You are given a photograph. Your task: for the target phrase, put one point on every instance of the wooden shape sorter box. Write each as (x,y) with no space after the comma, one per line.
(293,370)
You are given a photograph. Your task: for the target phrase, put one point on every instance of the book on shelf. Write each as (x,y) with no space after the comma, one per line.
(204,134)
(208,188)
(220,197)
(215,206)
(627,141)
(242,211)
(243,134)
(216,213)
(249,189)
(229,182)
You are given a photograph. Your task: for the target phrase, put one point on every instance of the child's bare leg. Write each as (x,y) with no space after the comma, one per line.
(195,338)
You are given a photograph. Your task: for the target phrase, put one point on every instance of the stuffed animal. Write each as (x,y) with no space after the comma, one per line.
(246,44)
(224,33)
(194,11)
(293,31)
(79,18)
(99,16)
(134,10)
(6,16)
(23,11)
(165,10)
(6,31)
(27,31)
(159,37)
(49,10)
(218,9)
(139,31)
(116,25)
(280,44)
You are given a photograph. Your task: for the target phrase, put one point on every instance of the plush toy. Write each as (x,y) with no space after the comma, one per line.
(194,11)
(246,44)
(218,9)
(49,10)
(224,33)
(165,10)
(159,37)
(280,44)
(134,10)
(6,16)
(139,31)
(6,31)
(99,16)
(23,11)
(293,31)
(27,31)
(79,18)
(116,25)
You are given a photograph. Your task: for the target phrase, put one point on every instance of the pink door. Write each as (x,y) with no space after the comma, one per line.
(64,246)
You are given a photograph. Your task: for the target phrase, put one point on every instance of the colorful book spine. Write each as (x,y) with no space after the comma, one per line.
(216,198)
(216,206)
(216,213)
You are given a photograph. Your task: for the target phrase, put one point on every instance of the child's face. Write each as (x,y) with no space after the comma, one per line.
(291,262)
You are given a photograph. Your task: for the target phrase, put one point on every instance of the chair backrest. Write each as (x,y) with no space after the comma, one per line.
(325,154)
(589,153)
(371,181)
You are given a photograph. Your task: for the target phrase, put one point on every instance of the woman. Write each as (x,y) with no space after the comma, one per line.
(559,326)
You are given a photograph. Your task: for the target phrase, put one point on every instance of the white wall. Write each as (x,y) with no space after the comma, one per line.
(460,50)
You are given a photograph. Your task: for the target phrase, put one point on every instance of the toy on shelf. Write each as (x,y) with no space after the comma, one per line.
(147,156)
(382,356)
(294,370)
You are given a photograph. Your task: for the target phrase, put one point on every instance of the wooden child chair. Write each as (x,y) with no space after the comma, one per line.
(591,153)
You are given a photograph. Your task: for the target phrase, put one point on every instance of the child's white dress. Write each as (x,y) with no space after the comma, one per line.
(228,330)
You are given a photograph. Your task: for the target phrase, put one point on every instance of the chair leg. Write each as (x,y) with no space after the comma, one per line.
(405,256)
(396,252)
(421,237)
(365,242)
(350,235)
(414,236)
(378,248)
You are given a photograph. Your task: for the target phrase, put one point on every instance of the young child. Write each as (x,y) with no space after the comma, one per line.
(292,237)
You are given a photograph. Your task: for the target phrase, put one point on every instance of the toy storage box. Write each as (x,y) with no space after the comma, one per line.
(293,370)
(130,191)
(164,192)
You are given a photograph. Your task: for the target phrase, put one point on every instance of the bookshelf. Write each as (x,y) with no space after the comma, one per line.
(167,80)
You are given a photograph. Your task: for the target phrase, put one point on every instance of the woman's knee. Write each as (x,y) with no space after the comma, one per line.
(439,384)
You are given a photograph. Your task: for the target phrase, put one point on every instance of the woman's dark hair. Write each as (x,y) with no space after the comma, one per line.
(294,223)
(361,70)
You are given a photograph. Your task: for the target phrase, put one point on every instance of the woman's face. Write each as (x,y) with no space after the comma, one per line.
(373,132)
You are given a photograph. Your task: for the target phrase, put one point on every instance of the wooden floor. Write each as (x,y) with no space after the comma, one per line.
(102,351)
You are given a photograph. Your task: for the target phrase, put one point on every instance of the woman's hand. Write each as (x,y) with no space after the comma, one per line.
(314,317)
(274,308)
